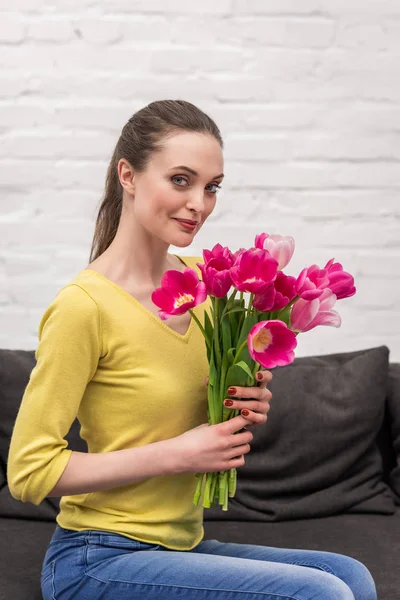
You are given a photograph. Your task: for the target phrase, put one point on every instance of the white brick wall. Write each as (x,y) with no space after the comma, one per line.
(306,94)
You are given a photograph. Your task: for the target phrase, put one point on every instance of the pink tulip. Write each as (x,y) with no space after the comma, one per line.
(218,252)
(216,270)
(271,343)
(179,292)
(340,282)
(311,282)
(266,299)
(253,270)
(285,287)
(280,247)
(307,314)
(277,295)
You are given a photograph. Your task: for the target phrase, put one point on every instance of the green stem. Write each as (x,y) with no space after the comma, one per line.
(216,333)
(250,309)
(201,327)
(237,355)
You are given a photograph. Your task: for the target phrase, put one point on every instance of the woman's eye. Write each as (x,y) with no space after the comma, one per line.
(179,177)
(216,186)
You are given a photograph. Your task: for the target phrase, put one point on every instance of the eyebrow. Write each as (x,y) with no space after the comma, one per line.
(193,172)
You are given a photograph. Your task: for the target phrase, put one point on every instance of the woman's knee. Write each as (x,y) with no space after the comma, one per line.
(327,586)
(356,576)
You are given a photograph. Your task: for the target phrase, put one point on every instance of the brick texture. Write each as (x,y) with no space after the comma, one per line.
(307,97)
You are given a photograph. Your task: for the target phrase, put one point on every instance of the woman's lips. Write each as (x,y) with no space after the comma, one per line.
(186,225)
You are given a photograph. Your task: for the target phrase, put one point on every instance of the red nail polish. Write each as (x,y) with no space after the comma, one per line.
(245,412)
(228,402)
(231,391)
(259,376)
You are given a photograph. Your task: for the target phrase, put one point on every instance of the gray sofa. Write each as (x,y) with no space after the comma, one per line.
(323,472)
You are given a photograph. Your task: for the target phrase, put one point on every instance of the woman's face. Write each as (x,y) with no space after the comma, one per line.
(166,190)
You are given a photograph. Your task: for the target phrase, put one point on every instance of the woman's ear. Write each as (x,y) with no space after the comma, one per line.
(126,176)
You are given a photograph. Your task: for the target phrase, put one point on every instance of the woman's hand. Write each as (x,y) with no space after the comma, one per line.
(259,399)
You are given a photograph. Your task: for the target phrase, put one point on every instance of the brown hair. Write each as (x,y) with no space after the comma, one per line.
(140,137)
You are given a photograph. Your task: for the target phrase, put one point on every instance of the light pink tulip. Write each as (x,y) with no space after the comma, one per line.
(272,344)
(307,314)
(279,246)
(179,291)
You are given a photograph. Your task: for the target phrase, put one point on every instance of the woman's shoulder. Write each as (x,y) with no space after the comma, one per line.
(191,261)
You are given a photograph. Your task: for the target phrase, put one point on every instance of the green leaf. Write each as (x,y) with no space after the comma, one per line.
(285,315)
(238,375)
(209,332)
(226,335)
(235,318)
(250,321)
(237,309)
(245,368)
(231,355)
(213,373)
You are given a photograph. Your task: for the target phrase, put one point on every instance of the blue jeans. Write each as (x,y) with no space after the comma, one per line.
(99,565)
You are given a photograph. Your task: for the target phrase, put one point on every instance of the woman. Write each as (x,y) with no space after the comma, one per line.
(127,526)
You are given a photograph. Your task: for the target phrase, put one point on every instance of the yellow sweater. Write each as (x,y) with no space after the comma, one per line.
(130,380)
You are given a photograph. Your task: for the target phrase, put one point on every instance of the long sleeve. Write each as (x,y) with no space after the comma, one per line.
(70,345)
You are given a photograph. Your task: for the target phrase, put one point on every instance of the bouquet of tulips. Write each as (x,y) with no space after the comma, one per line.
(240,339)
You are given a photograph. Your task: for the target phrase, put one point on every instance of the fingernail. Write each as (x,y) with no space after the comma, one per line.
(228,402)
(245,412)
(231,391)
(259,376)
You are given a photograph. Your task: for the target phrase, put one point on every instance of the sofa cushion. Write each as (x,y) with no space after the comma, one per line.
(15,370)
(317,454)
(372,539)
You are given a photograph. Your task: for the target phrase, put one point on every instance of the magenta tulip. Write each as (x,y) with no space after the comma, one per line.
(285,287)
(311,282)
(216,270)
(280,247)
(254,270)
(272,344)
(307,314)
(179,292)
(277,295)
(266,299)
(218,252)
(340,282)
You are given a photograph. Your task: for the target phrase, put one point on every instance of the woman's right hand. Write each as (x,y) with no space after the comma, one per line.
(208,448)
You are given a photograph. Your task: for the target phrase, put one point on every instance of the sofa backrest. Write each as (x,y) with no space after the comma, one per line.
(15,369)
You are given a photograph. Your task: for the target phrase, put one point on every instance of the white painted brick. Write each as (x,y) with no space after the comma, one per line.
(51,30)
(11,87)
(98,32)
(44,233)
(186,60)
(59,174)
(88,144)
(12,31)
(284,7)
(220,8)
(313,174)
(361,8)
(306,146)
(251,31)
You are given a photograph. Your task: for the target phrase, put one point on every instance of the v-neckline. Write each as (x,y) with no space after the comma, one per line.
(184,337)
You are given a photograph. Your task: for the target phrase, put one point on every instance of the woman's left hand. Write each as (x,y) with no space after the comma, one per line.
(259,399)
